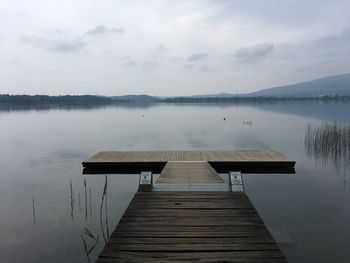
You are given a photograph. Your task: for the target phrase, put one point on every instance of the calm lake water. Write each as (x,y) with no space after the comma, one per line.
(46,205)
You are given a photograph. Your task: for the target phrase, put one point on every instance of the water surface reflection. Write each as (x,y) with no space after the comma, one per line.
(48,207)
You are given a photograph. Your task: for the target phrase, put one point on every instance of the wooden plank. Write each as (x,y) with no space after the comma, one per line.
(195,195)
(178,221)
(197,229)
(190,205)
(191,234)
(189,213)
(190,259)
(168,226)
(229,256)
(181,247)
(188,173)
(192,224)
(185,203)
(193,240)
(191,219)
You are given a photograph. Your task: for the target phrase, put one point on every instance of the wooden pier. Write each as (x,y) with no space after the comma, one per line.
(247,161)
(188,173)
(202,226)
(191,226)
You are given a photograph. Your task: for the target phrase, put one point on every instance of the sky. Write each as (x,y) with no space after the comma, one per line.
(169,48)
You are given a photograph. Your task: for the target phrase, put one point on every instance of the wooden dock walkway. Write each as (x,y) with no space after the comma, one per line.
(164,156)
(188,173)
(247,161)
(191,226)
(195,225)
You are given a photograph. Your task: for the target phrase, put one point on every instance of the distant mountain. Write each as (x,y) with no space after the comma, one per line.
(330,86)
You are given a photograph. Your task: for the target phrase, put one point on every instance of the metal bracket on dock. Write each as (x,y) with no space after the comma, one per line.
(236,181)
(145,182)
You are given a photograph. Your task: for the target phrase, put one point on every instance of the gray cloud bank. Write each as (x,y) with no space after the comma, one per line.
(197,56)
(102,30)
(57,45)
(169,47)
(254,53)
(68,44)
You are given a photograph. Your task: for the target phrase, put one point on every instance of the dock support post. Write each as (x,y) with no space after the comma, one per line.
(236,181)
(145,182)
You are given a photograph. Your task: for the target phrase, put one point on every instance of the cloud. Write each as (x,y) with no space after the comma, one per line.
(197,56)
(338,41)
(103,30)
(302,34)
(287,13)
(150,65)
(162,47)
(14,14)
(205,69)
(189,66)
(128,61)
(56,45)
(251,54)
(66,45)
(131,63)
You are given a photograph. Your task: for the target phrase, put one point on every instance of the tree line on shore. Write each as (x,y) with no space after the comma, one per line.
(6,99)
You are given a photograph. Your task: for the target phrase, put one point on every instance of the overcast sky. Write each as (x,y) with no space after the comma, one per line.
(110,47)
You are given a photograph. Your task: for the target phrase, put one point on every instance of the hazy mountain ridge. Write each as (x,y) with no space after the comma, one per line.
(329,86)
(338,85)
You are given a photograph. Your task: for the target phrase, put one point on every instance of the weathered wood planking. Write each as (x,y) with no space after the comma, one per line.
(188,173)
(191,226)
(207,156)
(259,161)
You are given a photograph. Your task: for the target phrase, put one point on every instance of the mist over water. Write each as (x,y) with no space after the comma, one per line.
(52,213)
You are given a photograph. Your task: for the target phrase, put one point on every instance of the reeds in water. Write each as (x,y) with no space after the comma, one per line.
(34,217)
(329,144)
(88,250)
(86,202)
(90,202)
(104,200)
(88,239)
(71,201)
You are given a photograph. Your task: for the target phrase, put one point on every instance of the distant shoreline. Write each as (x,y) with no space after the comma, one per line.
(75,100)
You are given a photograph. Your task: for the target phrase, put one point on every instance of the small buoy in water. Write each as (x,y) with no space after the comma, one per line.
(224,119)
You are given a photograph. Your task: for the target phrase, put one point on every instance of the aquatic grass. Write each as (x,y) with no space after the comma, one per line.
(87,250)
(71,200)
(85,191)
(329,144)
(106,208)
(90,202)
(34,217)
(79,202)
(104,202)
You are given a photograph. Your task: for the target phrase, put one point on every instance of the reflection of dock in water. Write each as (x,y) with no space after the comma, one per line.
(190,213)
